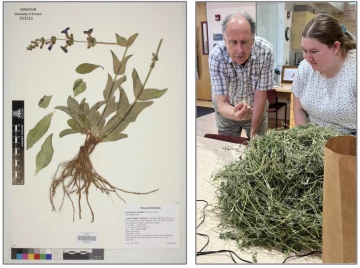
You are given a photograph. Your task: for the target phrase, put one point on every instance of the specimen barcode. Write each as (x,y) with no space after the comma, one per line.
(86,238)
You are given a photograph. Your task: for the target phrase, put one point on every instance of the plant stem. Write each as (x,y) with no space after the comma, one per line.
(78,41)
(102,114)
(137,97)
(151,68)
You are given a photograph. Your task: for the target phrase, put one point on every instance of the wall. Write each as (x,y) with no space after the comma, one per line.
(203,88)
(333,8)
(270,25)
(224,8)
(289,6)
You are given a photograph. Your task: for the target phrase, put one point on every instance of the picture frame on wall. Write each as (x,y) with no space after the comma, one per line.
(288,73)
(204,37)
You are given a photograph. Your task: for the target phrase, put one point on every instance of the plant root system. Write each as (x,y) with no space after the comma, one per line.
(78,175)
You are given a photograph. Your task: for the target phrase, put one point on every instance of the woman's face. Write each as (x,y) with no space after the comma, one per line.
(320,56)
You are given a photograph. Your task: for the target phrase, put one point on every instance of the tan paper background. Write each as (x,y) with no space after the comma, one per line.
(339,202)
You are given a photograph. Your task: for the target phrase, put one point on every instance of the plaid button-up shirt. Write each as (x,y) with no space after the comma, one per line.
(238,81)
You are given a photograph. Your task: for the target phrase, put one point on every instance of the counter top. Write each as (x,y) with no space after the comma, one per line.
(284,87)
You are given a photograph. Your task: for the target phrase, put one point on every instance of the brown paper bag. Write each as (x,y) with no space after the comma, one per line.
(339,201)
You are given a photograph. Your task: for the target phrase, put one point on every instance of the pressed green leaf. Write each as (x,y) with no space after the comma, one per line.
(75,125)
(109,89)
(118,118)
(79,87)
(121,127)
(151,93)
(123,104)
(116,63)
(114,126)
(136,110)
(85,122)
(67,132)
(86,68)
(115,137)
(65,109)
(122,107)
(73,104)
(110,108)
(121,41)
(96,106)
(123,64)
(74,108)
(137,85)
(101,124)
(113,123)
(94,109)
(70,112)
(131,39)
(94,119)
(44,102)
(118,82)
(44,156)
(39,130)
(84,107)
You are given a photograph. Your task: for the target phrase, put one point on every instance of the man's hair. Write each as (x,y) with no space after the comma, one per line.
(237,14)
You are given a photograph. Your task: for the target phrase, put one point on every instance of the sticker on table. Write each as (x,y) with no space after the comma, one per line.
(151,226)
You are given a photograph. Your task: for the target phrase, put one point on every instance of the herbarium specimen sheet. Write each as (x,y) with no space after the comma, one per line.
(103,133)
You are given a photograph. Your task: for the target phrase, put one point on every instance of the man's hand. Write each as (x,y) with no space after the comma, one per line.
(242,111)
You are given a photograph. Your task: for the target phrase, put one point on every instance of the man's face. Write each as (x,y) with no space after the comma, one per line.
(239,39)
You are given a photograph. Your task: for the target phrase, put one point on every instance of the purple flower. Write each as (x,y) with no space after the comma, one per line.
(66,30)
(88,32)
(64,49)
(50,47)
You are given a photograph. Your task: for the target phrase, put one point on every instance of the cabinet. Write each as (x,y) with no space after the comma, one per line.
(285,91)
(292,120)
(300,19)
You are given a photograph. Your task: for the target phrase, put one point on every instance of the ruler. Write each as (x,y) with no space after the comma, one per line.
(18,142)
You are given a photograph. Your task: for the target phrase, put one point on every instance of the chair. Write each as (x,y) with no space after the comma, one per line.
(274,105)
(232,139)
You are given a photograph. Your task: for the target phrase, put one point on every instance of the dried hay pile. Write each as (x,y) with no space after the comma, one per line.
(272,196)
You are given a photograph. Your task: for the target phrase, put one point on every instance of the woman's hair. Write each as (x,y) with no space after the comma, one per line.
(326,29)
(237,14)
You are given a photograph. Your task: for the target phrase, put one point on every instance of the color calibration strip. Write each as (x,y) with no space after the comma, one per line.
(56,254)
(31,254)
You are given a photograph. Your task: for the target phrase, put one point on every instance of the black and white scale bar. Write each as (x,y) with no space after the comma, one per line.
(18,143)
(86,254)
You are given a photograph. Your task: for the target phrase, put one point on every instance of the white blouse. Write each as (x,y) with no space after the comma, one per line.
(329,101)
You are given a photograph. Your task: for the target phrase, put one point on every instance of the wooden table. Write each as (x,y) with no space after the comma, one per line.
(212,155)
(285,90)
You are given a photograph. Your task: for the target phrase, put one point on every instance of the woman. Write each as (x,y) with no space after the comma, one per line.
(325,85)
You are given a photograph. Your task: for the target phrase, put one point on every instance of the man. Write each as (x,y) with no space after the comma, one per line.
(241,70)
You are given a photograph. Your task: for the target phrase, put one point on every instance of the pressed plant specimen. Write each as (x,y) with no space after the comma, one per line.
(101,122)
